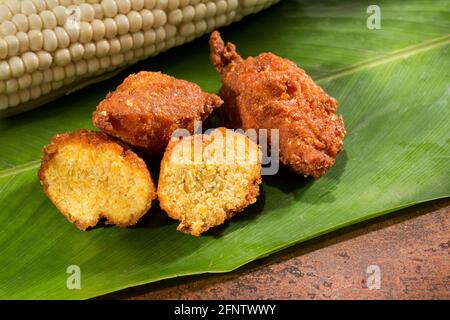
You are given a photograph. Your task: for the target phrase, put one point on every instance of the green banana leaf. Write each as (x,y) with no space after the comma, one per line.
(393,88)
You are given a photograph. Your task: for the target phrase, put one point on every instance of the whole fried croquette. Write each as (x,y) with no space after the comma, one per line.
(206,179)
(148,106)
(269,92)
(89,175)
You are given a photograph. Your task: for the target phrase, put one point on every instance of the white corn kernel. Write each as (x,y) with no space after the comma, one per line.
(109,8)
(200,11)
(173,4)
(117,59)
(37,78)
(99,29)
(87,12)
(73,30)
(13,45)
(8,28)
(221,7)
(128,55)
(147,19)
(50,40)
(70,70)
(123,6)
(63,37)
(210,9)
(188,13)
(184,3)
(149,4)
(40,5)
(135,20)
(36,40)
(126,42)
(98,11)
(62,57)
(138,40)
(51,4)
(114,46)
(27,7)
(187,29)
(3,102)
(160,18)
(46,88)
(58,73)
(13,100)
(105,62)
(76,51)
(81,67)
(200,27)
(13,5)
(48,19)
(24,81)
(160,34)
(35,92)
(21,22)
(45,59)
(93,65)
(48,76)
(24,42)
(5,13)
(111,28)
(12,85)
(123,25)
(89,50)
(171,31)
(16,65)
(86,32)
(30,61)
(24,96)
(137,5)
(3,48)
(232,4)
(34,22)
(149,37)
(162,4)
(61,14)
(175,17)
(102,48)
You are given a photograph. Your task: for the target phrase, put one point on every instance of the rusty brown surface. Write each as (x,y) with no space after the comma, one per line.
(410,247)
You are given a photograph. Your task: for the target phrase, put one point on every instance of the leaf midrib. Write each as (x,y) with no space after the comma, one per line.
(386,58)
(339,73)
(20,168)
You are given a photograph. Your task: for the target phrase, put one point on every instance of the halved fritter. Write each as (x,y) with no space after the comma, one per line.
(269,92)
(206,179)
(89,175)
(148,107)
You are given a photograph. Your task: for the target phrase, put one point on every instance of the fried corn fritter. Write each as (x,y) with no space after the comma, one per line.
(148,106)
(206,179)
(89,175)
(270,92)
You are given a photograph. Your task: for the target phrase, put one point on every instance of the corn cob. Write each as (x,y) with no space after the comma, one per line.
(49,48)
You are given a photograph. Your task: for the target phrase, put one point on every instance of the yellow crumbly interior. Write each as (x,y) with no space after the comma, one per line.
(86,183)
(203,192)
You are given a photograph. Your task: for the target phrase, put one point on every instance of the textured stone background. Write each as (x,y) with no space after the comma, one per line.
(411,248)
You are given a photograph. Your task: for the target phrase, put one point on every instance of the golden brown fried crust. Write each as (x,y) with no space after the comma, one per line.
(102,142)
(273,93)
(186,225)
(222,56)
(148,106)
